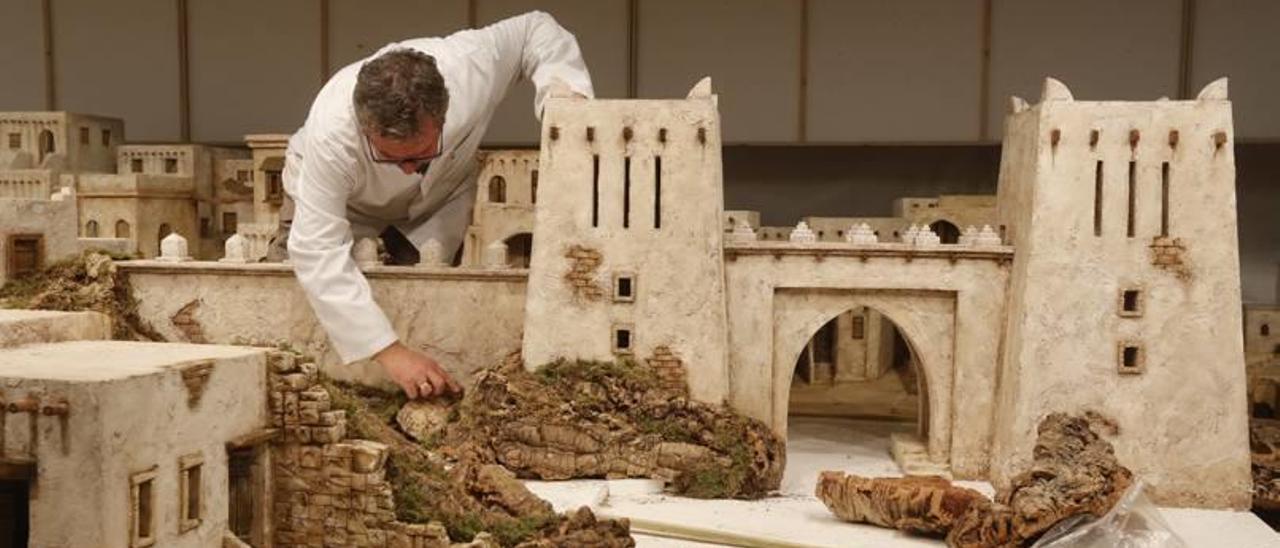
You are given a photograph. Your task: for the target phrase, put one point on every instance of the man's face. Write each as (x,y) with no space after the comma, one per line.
(413,154)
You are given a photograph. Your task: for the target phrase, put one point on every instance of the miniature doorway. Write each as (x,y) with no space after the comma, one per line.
(46,145)
(519,250)
(926,323)
(858,365)
(25,254)
(248,499)
(947,231)
(15,505)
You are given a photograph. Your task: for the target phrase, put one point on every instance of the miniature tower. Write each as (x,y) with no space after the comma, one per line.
(1125,289)
(627,256)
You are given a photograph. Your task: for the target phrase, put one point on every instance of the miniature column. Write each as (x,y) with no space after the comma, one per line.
(366,253)
(235,250)
(431,255)
(742,232)
(173,249)
(495,256)
(802,234)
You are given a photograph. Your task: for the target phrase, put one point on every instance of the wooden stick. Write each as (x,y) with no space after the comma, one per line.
(678,531)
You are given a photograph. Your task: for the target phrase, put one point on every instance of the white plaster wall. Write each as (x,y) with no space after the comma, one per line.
(466,319)
(678,267)
(56,221)
(1183,421)
(128,424)
(978,281)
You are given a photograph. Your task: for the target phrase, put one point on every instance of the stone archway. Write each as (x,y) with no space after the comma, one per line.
(947,231)
(926,320)
(519,249)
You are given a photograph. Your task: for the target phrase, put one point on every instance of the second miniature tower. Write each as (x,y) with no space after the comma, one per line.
(627,254)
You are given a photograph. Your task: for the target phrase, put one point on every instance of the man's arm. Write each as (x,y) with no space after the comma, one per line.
(320,248)
(536,47)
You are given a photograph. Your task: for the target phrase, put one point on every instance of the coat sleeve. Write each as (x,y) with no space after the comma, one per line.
(320,244)
(536,47)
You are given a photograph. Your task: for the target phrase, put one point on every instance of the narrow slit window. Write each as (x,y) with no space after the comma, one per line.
(1131,303)
(1164,199)
(1097,199)
(626,192)
(657,192)
(1133,197)
(533,187)
(622,340)
(595,190)
(190,486)
(624,288)
(1130,356)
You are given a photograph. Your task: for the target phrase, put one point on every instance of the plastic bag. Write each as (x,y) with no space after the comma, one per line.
(1134,522)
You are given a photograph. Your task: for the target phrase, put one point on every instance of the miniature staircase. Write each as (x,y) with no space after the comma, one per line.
(912,456)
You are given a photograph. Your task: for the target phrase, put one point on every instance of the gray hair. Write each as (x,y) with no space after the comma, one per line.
(395,90)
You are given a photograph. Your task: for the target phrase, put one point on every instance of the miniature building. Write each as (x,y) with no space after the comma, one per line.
(507,191)
(132,444)
(1115,287)
(1124,296)
(159,189)
(627,251)
(268,190)
(35,232)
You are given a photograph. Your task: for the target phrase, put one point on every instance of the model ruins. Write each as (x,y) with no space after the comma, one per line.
(1103,276)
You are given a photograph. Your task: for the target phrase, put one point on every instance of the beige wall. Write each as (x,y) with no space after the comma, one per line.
(56,221)
(466,319)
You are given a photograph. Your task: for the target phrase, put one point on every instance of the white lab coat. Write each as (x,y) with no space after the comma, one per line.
(339,192)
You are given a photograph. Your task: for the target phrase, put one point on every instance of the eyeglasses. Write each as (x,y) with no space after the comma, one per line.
(423,162)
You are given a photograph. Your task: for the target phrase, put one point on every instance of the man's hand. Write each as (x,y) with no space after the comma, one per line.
(415,372)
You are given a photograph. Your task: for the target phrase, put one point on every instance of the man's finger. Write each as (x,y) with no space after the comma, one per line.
(454,387)
(410,389)
(438,385)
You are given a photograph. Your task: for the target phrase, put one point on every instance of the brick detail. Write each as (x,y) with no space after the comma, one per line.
(669,369)
(581,277)
(1167,254)
(327,490)
(184,320)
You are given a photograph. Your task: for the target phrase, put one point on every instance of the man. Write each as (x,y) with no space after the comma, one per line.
(389,147)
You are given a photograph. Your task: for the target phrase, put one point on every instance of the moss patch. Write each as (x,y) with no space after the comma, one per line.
(89,281)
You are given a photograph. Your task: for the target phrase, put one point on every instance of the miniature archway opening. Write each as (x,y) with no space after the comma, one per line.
(859,365)
(122,228)
(497,190)
(947,231)
(925,322)
(519,249)
(91,229)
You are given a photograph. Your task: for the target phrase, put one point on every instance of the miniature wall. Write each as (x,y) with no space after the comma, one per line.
(118,428)
(467,319)
(949,302)
(54,220)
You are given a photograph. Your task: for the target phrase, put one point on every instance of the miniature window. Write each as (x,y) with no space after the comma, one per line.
(1131,303)
(206,227)
(498,190)
(624,287)
(1131,358)
(533,187)
(858,327)
(106,137)
(622,343)
(229,222)
(243,176)
(1266,330)
(142,506)
(84,135)
(15,140)
(91,229)
(122,229)
(135,165)
(170,165)
(189,484)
